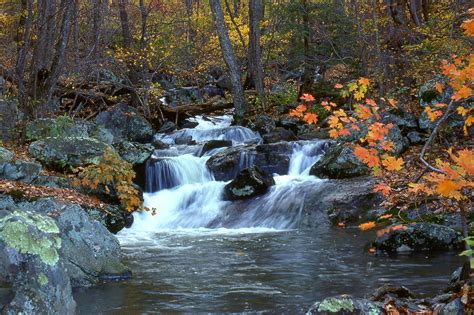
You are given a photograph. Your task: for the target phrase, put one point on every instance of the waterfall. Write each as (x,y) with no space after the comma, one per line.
(186,196)
(168,172)
(305,154)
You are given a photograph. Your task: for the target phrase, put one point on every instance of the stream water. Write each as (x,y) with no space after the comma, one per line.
(188,258)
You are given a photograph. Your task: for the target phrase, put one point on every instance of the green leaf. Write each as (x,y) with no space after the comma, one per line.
(467,252)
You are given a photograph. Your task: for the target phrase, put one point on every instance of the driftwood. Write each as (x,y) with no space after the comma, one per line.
(186,111)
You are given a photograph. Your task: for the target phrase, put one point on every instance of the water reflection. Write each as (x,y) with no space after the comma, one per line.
(236,271)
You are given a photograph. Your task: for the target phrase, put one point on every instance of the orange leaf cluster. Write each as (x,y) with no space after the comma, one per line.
(453,180)
(367,226)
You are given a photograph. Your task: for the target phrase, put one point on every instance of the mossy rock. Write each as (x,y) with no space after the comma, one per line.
(68,153)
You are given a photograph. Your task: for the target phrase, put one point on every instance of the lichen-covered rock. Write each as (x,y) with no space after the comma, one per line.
(339,162)
(345,305)
(30,262)
(249,183)
(125,123)
(88,251)
(67,153)
(419,237)
(404,120)
(62,126)
(429,95)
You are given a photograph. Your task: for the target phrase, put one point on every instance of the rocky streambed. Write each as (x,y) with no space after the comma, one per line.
(245,223)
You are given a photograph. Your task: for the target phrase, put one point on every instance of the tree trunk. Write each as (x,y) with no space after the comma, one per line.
(230,60)
(307,85)
(128,44)
(24,39)
(255,69)
(60,51)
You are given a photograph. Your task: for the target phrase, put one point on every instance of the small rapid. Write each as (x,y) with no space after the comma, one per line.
(185,195)
(201,254)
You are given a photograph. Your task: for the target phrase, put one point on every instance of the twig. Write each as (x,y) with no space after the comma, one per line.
(432,136)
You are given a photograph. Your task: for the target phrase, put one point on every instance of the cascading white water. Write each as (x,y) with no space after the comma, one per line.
(169,172)
(186,196)
(305,154)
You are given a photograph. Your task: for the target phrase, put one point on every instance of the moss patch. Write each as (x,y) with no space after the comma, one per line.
(334,305)
(31,234)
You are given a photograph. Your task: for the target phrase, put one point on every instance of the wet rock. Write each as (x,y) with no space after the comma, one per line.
(125,123)
(249,183)
(345,305)
(184,140)
(419,237)
(339,162)
(30,262)
(114,218)
(313,134)
(159,145)
(279,134)
(188,124)
(133,152)
(167,127)
(215,144)
(213,91)
(67,153)
(62,126)
(271,158)
(315,200)
(389,291)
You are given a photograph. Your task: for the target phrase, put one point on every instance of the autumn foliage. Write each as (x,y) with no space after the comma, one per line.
(111,173)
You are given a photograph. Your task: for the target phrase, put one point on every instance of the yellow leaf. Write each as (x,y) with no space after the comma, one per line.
(367,226)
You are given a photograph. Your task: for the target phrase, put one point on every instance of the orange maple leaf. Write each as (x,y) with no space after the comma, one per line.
(367,226)
(439,87)
(468,27)
(382,188)
(364,81)
(462,93)
(310,118)
(363,112)
(449,189)
(307,98)
(338,86)
(392,163)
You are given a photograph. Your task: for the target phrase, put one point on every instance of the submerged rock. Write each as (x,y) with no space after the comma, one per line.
(339,162)
(249,183)
(67,153)
(419,237)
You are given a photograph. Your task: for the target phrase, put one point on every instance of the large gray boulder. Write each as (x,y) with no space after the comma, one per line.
(68,152)
(88,251)
(125,123)
(419,237)
(339,162)
(30,262)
